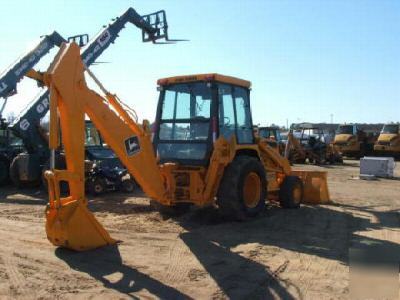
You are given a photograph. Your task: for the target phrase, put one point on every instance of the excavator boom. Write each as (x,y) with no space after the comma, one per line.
(71,99)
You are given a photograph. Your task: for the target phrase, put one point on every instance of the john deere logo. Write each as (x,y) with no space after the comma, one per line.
(132,145)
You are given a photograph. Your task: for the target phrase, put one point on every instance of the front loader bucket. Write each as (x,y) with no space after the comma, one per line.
(70,224)
(315,186)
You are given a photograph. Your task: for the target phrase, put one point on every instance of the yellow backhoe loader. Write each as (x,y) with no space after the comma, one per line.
(310,142)
(204,150)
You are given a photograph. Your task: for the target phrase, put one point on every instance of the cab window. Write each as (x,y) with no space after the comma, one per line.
(234,114)
(243,116)
(226,111)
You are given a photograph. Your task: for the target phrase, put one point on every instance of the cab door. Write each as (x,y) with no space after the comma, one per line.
(234,113)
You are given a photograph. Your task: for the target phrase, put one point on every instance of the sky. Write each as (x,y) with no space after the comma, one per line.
(308,61)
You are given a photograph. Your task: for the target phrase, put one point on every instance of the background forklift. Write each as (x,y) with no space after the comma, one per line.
(12,143)
(10,146)
(27,167)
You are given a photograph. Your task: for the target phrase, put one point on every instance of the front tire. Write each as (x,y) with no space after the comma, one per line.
(243,188)
(291,192)
(128,185)
(97,186)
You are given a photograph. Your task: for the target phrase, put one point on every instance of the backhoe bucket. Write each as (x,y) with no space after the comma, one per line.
(315,186)
(70,224)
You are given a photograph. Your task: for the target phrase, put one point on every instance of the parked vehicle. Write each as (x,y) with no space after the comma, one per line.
(10,146)
(356,140)
(207,153)
(273,136)
(102,178)
(388,143)
(309,142)
(27,167)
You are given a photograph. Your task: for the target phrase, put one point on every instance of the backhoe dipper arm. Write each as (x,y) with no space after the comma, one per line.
(130,142)
(154,27)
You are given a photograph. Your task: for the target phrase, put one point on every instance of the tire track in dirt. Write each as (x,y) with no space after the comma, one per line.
(180,260)
(36,277)
(16,279)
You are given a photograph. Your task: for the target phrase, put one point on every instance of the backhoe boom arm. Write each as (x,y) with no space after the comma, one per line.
(130,142)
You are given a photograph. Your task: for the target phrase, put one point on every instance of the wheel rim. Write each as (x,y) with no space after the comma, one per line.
(252,190)
(129,187)
(297,194)
(98,188)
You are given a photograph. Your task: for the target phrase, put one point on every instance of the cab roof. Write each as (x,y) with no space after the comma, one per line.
(205,77)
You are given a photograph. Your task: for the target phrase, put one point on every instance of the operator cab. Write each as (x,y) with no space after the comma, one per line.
(347,129)
(391,129)
(271,133)
(193,111)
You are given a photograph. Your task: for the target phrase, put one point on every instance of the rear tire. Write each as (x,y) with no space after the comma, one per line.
(243,188)
(4,171)
(14,173)
(291,192)
(128,186)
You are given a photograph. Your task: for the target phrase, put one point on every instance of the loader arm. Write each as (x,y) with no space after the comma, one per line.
(154,27)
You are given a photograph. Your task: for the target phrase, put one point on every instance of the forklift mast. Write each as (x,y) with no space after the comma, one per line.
(13,74)
(154,27)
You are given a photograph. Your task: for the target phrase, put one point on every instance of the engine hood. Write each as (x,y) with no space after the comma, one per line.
(343,137)
(387,137)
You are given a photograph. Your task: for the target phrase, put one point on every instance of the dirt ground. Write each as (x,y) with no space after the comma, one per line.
(284,254)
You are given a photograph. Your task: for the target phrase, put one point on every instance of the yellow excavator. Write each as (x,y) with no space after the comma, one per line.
(203,150)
